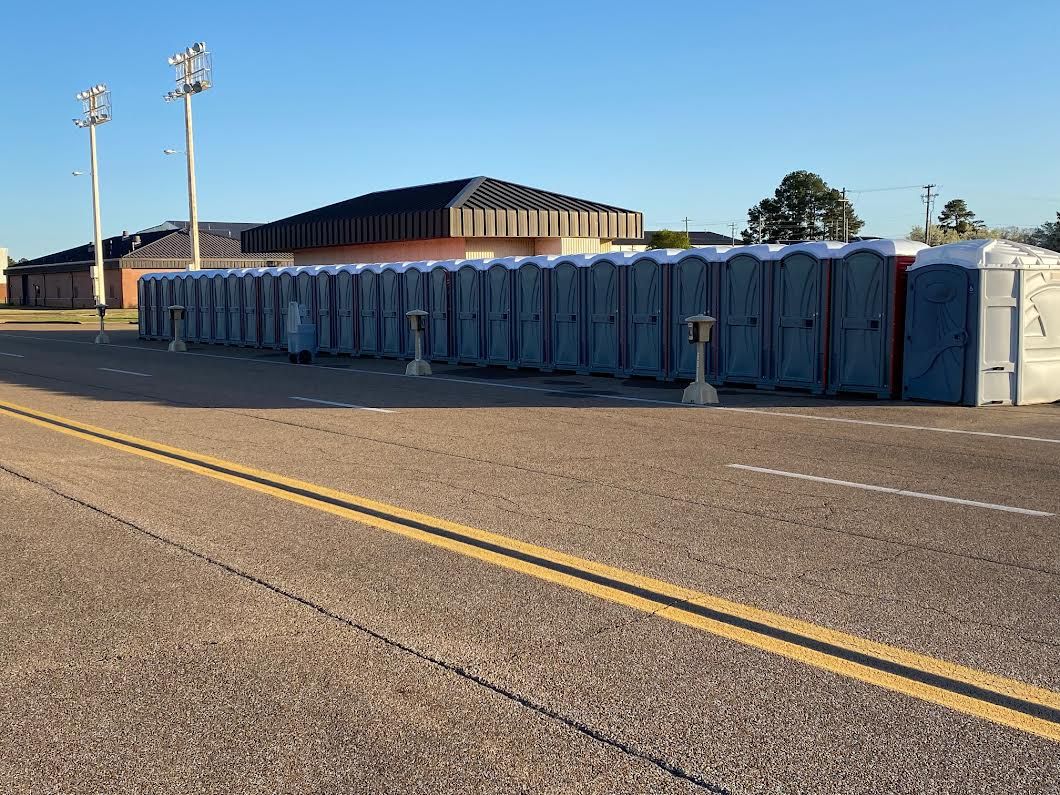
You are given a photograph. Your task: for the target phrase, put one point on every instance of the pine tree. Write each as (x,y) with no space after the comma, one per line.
(803,207)
(957,217)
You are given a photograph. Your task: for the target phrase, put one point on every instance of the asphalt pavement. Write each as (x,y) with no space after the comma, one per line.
(226,573)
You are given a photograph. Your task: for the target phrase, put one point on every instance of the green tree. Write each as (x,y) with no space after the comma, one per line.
(1047,235)
(803,207)
(957,217)
(668,238)
(940,235)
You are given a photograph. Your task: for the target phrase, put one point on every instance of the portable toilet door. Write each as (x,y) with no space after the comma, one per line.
(191,309)
(141,306)
(693,292)
(180,298)
(530,306)
(249,283)
(156,315)
(467,296)
(148,312)
(392,319)
(307,296)
(743,310)
(865,286)
(568,315)
(414,296)
(500,325)
(936,334)
(440,296)
(286,291)
(604,296)
(165,300)
(233,282)
(647,339)
(344,286)
(798,321)
(219,330)
(368,299)
(270,335)
(324,284)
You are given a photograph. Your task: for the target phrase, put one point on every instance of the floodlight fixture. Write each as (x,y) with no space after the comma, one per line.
(95,110)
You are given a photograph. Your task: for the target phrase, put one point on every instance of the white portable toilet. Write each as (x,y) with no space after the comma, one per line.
(983,324)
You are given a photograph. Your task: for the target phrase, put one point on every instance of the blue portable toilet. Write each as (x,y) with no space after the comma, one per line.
(532,327)
(414,289)
(605,295)
(467,306)
(982,324)
(191,306)
(286,291)
(392,316)
(141,306)
(695,280)
(345,305)
(800,304)
(746,289)
(323,280)
(251,285)
(368,303)
(218,307)
(499,287)
(440,296)
(234,294)
(269,288)
(305,282)
(867,316)
(159,305)
(648,343)
(568,315)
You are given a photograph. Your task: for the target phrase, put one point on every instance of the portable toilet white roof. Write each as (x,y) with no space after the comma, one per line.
(983,324)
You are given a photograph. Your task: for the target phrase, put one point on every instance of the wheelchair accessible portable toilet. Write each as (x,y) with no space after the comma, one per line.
(868,315)
(982,324)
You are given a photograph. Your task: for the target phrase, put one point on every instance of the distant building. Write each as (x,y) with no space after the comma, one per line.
(461,219)
(697,239)
(63,279)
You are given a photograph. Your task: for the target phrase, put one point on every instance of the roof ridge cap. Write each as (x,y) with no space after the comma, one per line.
(472,185)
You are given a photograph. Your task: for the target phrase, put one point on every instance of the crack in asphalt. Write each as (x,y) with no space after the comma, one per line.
(461,671)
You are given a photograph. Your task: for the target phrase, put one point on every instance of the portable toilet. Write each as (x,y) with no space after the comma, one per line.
(648,347)
(500,326)
(305,283)
(605,299)
(982,324)
(234,293)
(414,279)
(321,281)
(467,306)
(695,286)
(567,293)
(180,297)
(160,303)
(800,307)
(440,299)
(144,299)
(368,301)
(532,327)
(391,314)
(250,285)
(345,304)
(268,287)
(867,316)
(219,298)
(745,304)
(192,321)
(286,291)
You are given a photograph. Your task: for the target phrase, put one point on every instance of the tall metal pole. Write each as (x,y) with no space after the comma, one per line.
(927,214)
(98,290)
(193,209)
(846,226)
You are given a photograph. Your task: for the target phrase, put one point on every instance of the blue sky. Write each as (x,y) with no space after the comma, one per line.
(676,109)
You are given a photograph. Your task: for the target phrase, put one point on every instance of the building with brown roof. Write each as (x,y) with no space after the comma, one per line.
(63,279)
(478,217)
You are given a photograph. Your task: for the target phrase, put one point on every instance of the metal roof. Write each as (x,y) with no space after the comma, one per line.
(473,207)
(695,238)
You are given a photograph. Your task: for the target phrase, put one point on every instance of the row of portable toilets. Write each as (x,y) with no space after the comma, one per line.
(619,314)
(822,317)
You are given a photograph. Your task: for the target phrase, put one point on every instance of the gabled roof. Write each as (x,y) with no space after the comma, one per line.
(472,207)
(177,245)
(226,228)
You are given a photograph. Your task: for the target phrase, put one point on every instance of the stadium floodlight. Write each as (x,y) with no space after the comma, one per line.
(95,110)
(194,74)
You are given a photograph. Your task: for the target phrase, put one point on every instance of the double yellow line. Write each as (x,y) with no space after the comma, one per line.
(1004,701)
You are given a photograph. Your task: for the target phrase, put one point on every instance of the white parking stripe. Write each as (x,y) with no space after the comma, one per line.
(13,355)
(124,372)
(889,490)
(567,392)
(341,405)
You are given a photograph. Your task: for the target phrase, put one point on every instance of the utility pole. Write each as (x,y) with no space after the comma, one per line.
(927,214)
(194,70)
(95,110)
(732,231)
(687,219)
(846,225)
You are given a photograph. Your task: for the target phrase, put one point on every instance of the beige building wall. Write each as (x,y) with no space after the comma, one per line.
(450,248)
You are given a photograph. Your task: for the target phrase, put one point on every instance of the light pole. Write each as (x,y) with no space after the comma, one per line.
(95,110)
(194,73)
